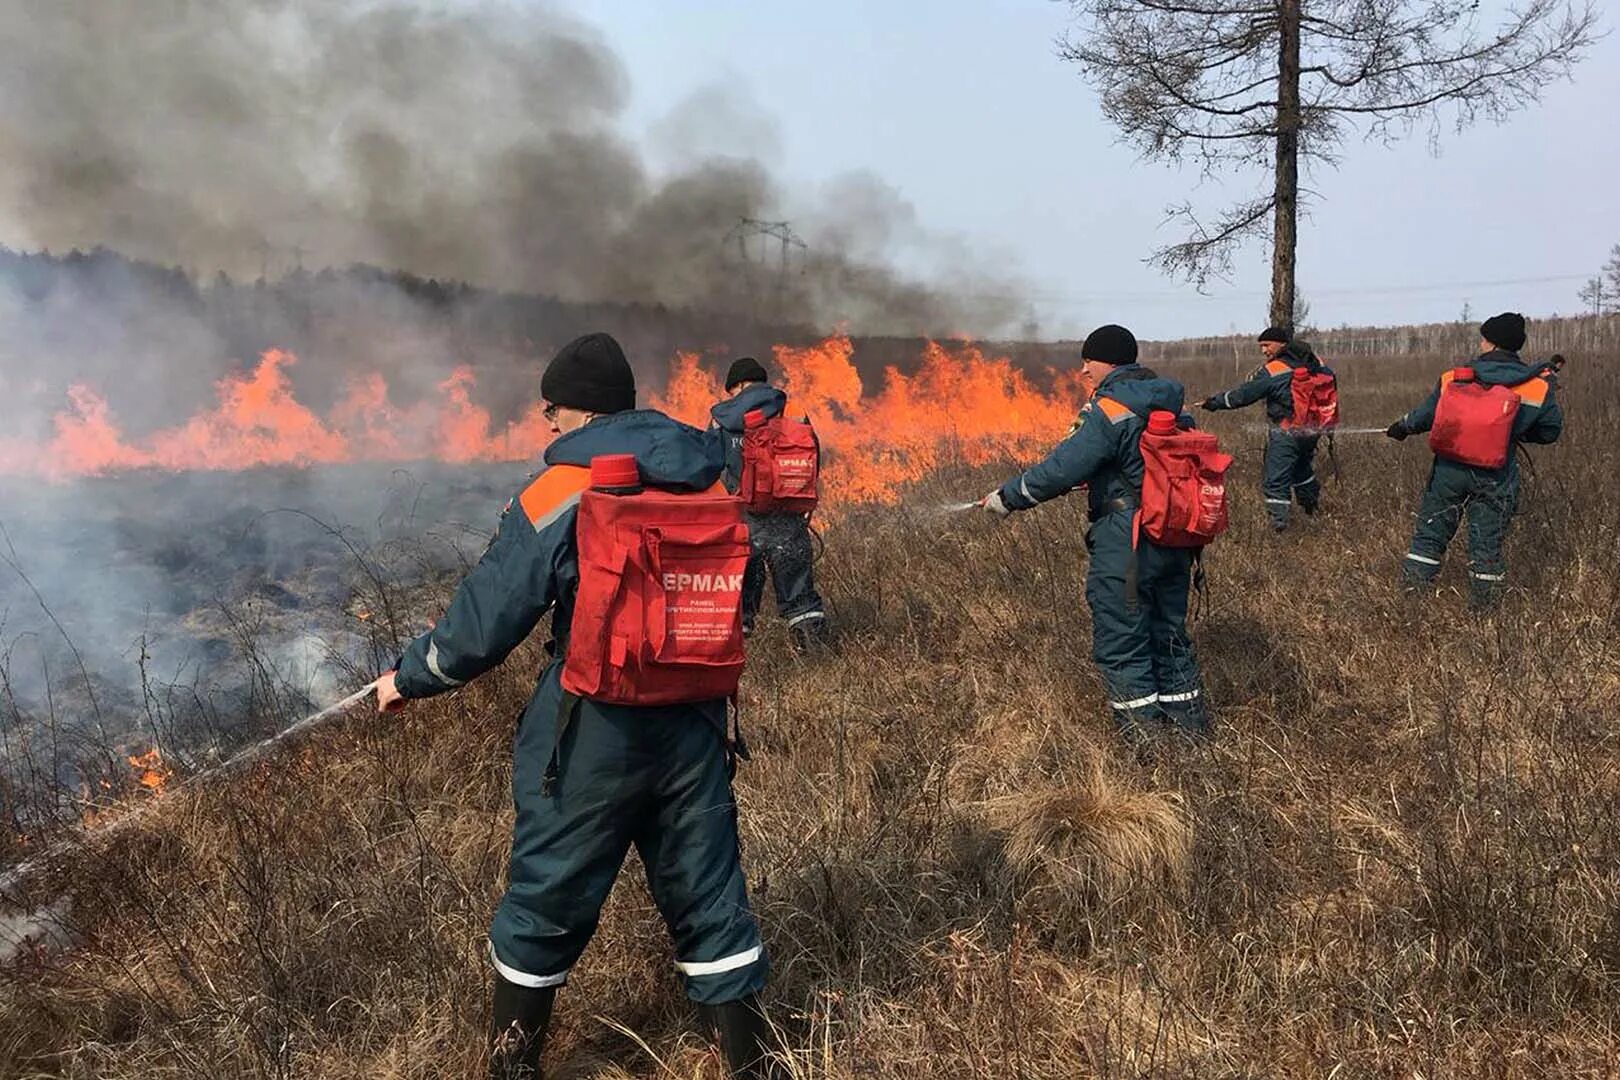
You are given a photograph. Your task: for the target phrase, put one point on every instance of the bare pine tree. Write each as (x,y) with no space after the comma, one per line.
(1595,295)
(1229,84)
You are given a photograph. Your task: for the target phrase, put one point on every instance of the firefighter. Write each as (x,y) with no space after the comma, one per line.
(1137,590)
(781,539)
(1488,496)
(1290,462)
(657,777)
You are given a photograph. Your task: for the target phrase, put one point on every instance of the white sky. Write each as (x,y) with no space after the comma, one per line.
(964,107)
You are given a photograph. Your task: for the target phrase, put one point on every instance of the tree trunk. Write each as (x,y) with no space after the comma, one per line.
(1285,229)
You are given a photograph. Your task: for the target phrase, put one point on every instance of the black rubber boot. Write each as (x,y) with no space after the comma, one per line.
(744,1036)
(517,1030)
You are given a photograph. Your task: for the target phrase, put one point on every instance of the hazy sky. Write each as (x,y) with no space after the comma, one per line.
(964,107)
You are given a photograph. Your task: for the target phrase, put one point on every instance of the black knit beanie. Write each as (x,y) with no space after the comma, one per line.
(1110,345)
(1505,331)
(745,369)
(1274,333)
(590,373)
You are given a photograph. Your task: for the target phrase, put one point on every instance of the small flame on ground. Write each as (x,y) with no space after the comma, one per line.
(150,771)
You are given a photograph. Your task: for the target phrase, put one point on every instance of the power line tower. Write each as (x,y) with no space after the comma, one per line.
(756,264)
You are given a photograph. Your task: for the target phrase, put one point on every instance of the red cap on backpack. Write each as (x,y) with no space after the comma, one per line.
(610,471)
(1162,422)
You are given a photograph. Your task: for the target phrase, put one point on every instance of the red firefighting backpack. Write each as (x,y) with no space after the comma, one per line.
(1473,423)
(658,614)
(1183,484)
(1316,401)
(781,465)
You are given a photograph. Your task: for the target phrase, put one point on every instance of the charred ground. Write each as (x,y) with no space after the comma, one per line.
(1399,858)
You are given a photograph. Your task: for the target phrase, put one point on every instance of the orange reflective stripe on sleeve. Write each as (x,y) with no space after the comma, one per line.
(554,491)
(1112,409)
(1277,367)
(1532,391)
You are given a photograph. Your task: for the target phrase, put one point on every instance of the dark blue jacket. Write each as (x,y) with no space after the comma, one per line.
(532,565)
(726,418)
(1102,452)
(1271,382)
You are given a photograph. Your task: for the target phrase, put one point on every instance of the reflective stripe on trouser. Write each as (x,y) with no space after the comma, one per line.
(1139,643)
(1488,500)
(656,778)
(783,547)
(1289,474)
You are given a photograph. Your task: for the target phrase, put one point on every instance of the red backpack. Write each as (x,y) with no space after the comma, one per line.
(658,615)
(1316,401)
(1183,484)
(1473,423)
(781,465)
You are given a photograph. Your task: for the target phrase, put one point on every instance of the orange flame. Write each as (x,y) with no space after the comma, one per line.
(258,421)
(150,771)
(959,406)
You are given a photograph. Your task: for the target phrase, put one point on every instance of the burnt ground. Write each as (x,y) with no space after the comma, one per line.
(178,609)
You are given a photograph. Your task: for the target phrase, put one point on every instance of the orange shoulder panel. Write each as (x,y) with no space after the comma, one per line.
(553,488)
(1532,391)
(1112,409)
(1447,375)
(1277,367)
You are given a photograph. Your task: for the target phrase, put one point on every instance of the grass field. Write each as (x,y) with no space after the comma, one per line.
(1399,858)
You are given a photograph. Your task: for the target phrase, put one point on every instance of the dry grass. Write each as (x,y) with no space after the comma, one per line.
(1400,858)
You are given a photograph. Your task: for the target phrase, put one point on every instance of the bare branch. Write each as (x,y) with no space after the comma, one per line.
(1207,252)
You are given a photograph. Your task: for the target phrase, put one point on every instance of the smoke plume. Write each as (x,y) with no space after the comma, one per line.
(478,142)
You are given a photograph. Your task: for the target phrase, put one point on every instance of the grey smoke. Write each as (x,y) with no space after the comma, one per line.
(475,141)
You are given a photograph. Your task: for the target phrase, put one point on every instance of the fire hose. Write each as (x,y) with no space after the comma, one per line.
(22,871)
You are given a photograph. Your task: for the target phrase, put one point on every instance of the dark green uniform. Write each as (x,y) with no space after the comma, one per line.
(1488,498)
(655,778)
(1290,464)
(781,541)
(1138,592)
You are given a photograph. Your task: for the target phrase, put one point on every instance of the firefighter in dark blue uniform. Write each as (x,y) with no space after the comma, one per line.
(1137,592)
(1290,463)
(1489,497)
(781,540)
(657,778)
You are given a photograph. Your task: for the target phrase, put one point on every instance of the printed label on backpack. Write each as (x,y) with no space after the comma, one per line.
(780,465)
(658,613)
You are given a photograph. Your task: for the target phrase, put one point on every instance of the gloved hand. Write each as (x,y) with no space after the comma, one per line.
(992,502)
(1211,403)
(1398,430)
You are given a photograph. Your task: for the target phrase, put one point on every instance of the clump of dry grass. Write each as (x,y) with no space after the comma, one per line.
(1096,842)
